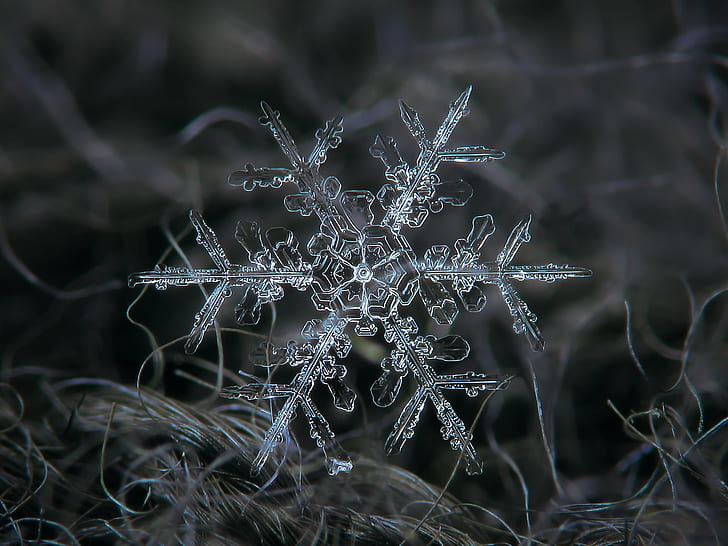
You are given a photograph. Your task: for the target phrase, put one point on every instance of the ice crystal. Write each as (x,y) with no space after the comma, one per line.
(364,273)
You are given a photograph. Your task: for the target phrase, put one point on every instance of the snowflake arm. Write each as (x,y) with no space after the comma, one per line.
(468,274)
(277,262)
(410,356)
(320,430)
(317,364)
(318,195)
(415,190)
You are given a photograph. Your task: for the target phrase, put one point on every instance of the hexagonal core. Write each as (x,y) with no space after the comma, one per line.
(363,273)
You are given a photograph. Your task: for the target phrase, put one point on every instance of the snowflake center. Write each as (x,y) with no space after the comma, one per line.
(363,273)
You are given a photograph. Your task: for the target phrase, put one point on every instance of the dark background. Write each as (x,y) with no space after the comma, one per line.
(117,117)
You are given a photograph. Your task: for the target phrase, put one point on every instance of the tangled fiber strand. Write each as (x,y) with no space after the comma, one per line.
(673,479)
(101,467)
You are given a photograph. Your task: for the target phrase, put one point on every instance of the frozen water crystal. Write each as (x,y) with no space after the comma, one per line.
(363,273)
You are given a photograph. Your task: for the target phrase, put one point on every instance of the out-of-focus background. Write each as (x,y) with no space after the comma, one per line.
(117,117)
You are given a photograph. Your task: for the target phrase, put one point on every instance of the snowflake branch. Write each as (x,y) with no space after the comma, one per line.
(428,386)
(415,187)
(492,273)
(317,194)
(272,119)
(299,393)
(468,275)
(227,276)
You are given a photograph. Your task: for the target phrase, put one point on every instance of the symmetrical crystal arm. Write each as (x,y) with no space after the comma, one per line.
(261,284)
(453,428)
(236,276)
(298,393)
(468,276)
(429,157)
(318,194)
(414,192)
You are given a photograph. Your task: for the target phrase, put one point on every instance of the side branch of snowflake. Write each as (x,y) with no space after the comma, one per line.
(362,271)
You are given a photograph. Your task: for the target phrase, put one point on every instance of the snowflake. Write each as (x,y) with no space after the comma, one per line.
(364,272)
